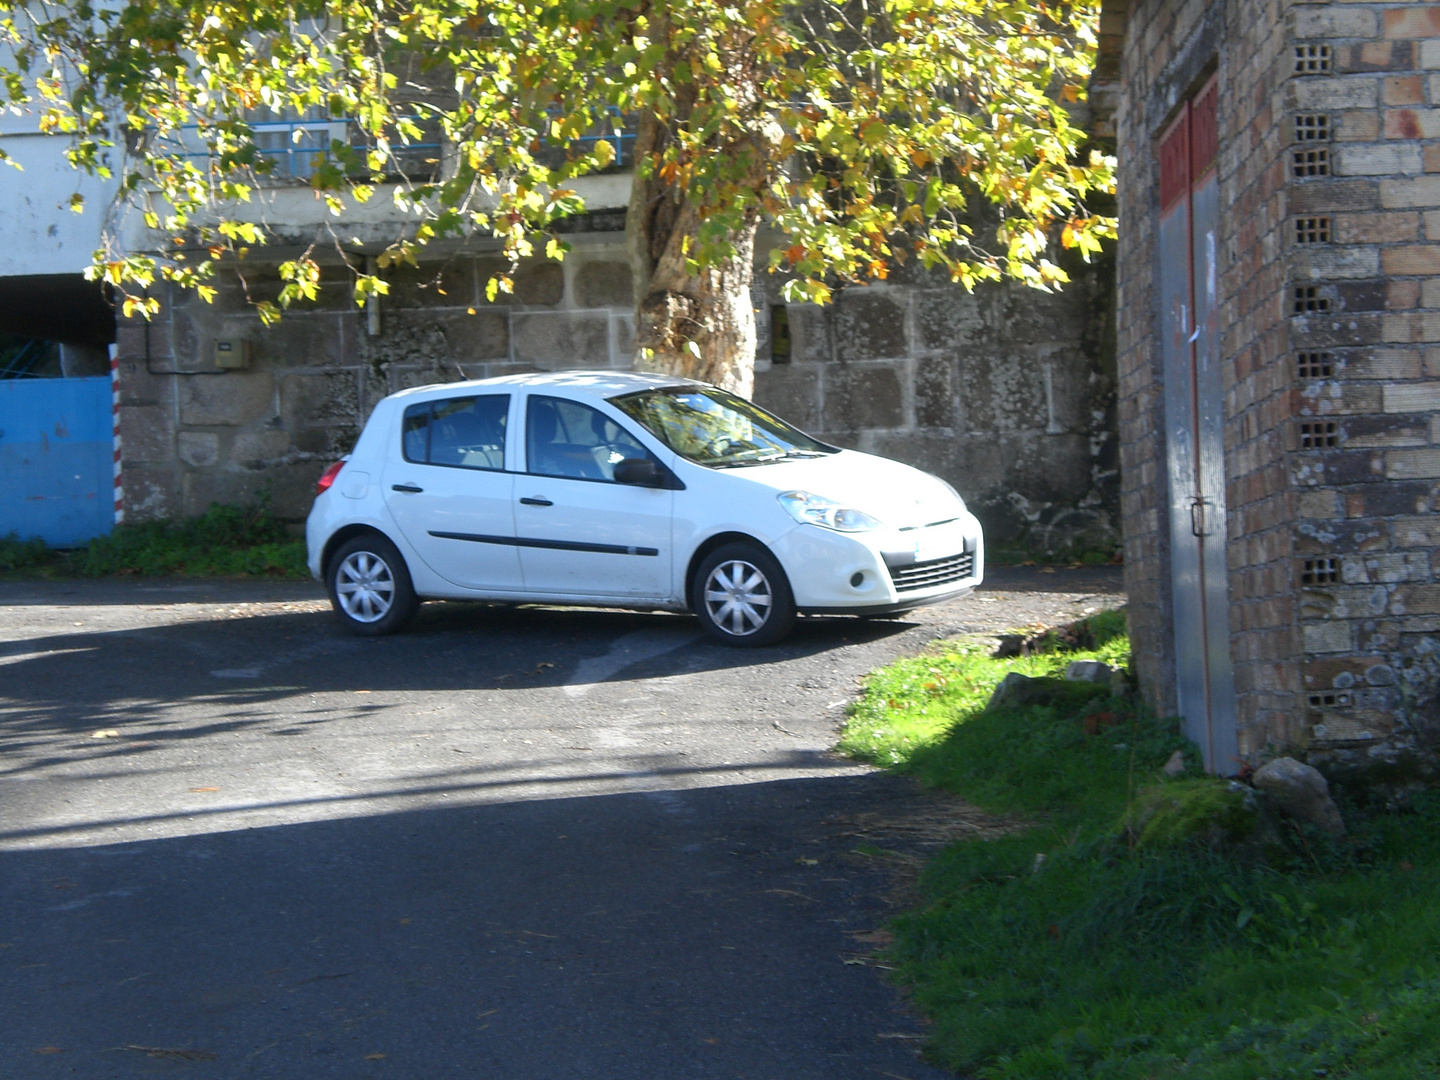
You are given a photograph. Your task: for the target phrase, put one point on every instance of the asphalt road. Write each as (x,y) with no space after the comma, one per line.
(509,843)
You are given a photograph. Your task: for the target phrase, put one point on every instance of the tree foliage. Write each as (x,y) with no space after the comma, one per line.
(866,132)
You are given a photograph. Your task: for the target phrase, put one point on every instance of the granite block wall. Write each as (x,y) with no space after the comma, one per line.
(1006,393)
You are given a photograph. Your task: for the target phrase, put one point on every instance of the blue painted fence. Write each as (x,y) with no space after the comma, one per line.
(57,478)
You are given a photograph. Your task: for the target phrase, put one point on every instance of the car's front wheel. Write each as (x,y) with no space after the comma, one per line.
(742,596)
(370,587)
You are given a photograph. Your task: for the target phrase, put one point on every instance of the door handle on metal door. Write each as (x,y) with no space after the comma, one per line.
(416,488)
(1197,515)
(537,501)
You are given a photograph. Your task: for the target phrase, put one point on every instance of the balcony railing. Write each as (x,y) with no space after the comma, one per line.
(298,147)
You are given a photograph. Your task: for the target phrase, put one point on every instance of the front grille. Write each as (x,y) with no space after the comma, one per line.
(926,575)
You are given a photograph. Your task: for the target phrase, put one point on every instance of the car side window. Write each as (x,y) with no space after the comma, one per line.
(463,432)
(567,439)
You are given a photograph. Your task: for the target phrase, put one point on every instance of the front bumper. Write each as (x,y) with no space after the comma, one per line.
(883,572)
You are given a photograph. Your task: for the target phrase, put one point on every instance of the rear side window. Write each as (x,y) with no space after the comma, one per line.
(462,432)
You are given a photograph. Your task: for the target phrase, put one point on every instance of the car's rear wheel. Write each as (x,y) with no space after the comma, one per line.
(370,587)
(742,597)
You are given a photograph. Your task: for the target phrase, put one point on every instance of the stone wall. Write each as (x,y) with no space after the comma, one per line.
(1331,346)
(1005,393)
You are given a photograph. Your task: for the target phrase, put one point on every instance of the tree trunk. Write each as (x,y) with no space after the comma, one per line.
(699,327)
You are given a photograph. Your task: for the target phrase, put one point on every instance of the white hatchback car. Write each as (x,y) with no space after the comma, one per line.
(618,489)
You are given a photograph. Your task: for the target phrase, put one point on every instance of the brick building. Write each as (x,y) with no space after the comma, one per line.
(1278,314)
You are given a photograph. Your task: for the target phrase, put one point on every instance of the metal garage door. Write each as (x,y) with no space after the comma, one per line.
(56,459)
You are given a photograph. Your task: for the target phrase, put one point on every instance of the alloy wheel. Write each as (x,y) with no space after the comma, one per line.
(365,587)
(738,597)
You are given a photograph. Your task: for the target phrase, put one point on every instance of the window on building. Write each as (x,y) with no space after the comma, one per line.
(779,334)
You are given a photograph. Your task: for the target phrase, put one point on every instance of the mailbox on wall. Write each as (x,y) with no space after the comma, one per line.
(232,354)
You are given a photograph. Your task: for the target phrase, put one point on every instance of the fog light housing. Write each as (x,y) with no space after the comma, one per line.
(857,579)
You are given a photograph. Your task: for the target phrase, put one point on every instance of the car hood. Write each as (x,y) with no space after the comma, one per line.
(899,495)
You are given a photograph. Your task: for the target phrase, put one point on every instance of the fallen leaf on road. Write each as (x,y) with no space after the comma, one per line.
(487,1012)
(47,1050)
(855,961)
(204,789)
(167,1053)
(792,892)
(808,862)
(374,1057)
(105,733)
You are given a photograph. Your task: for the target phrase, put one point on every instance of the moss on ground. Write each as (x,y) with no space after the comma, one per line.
(1206,810)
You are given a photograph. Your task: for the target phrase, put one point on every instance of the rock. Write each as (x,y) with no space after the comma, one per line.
(1017,691)
(1176,765)
(1093,671)
(1301,793)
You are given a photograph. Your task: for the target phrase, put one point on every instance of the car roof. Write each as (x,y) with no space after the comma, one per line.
(604,383)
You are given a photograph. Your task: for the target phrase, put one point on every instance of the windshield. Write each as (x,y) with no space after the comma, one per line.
(711,427)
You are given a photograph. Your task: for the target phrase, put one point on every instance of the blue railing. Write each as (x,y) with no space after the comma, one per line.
(20,361)
(299,146)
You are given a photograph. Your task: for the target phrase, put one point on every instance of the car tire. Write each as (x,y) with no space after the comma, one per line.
(742,597)
(370,587)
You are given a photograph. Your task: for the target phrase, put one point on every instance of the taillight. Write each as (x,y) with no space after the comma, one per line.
(328,477)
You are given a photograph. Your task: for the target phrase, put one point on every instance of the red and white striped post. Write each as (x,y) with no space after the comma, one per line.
(115,433)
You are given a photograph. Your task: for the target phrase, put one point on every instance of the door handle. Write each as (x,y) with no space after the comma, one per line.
(1197,515)
(536,501)
(415,488)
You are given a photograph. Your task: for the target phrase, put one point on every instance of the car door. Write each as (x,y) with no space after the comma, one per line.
(450,494)
(580,533)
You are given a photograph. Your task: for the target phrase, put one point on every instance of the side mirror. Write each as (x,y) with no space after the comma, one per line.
(640,472)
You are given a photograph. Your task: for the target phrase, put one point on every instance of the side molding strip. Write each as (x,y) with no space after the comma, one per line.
(554,545)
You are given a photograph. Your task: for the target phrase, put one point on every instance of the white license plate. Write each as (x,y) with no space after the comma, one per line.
(939,542)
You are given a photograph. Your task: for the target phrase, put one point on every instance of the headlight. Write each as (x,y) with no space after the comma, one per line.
(817,510)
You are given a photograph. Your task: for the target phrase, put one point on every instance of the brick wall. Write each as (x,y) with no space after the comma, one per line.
(1330,170)
(1006,393)
(1364,436)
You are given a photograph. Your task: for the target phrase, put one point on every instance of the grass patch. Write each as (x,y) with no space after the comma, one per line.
(1071,950)
(225,541)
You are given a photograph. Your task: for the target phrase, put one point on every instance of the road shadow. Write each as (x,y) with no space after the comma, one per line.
(717,932)
(72,684)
